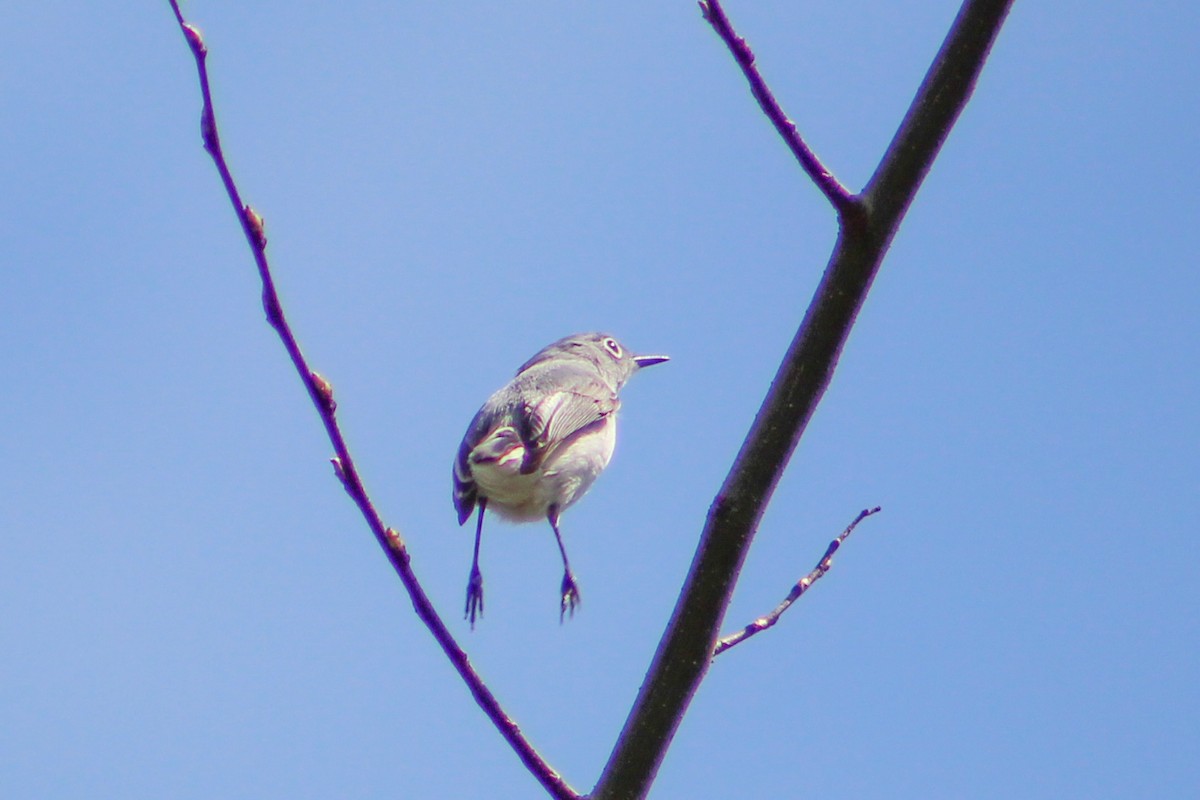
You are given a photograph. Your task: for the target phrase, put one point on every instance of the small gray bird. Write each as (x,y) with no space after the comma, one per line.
(537,444)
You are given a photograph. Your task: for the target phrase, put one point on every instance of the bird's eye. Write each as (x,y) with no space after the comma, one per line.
(613,347)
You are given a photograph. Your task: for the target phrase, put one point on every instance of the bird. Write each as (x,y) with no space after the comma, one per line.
(540,441)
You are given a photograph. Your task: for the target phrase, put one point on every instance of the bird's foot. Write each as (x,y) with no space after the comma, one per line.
(474,596)
(569,596)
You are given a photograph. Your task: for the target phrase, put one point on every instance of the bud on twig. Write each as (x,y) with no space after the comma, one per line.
(324,391)
(257,226)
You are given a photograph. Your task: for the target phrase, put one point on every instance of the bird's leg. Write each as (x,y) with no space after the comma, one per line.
(475,582)
(570,590)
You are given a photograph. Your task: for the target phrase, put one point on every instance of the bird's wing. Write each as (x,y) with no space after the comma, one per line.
(572,406)
(545,405)
(465,491)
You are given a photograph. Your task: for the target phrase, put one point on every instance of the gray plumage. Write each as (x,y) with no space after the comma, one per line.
(537,445)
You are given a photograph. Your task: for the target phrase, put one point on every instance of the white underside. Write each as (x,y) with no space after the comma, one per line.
(566,473)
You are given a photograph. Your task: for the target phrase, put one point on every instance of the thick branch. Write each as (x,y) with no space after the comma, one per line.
(685,651)
(321,393)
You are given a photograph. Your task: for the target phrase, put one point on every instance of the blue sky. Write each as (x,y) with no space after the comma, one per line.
(193,607)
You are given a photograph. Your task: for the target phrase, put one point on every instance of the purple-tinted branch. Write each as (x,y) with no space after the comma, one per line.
(685,650)
(843,202)
(321,393)
(823,566)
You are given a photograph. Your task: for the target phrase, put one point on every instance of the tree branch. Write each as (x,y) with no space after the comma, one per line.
(803,585)
(837,194)
(321,393)
(685,651)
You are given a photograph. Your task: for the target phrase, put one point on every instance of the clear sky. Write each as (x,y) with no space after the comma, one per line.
(192,607)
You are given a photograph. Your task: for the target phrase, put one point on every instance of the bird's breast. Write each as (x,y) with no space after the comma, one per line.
(567,470)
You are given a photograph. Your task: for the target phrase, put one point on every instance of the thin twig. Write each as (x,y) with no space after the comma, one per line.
(802,586)
(843,202)
(685,650)
(321,393)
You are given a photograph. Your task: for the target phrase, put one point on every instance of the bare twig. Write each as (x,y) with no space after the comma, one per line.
(685,650)
(802,586)
(321,393)
(838,195)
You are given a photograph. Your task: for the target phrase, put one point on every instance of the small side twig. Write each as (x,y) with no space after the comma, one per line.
(321,392)
(841,198)
(802,586)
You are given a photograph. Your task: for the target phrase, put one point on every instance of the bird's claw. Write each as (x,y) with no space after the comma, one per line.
(569,597)
(474,605)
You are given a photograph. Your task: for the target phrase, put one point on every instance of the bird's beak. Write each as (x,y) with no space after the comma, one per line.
(649,361)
